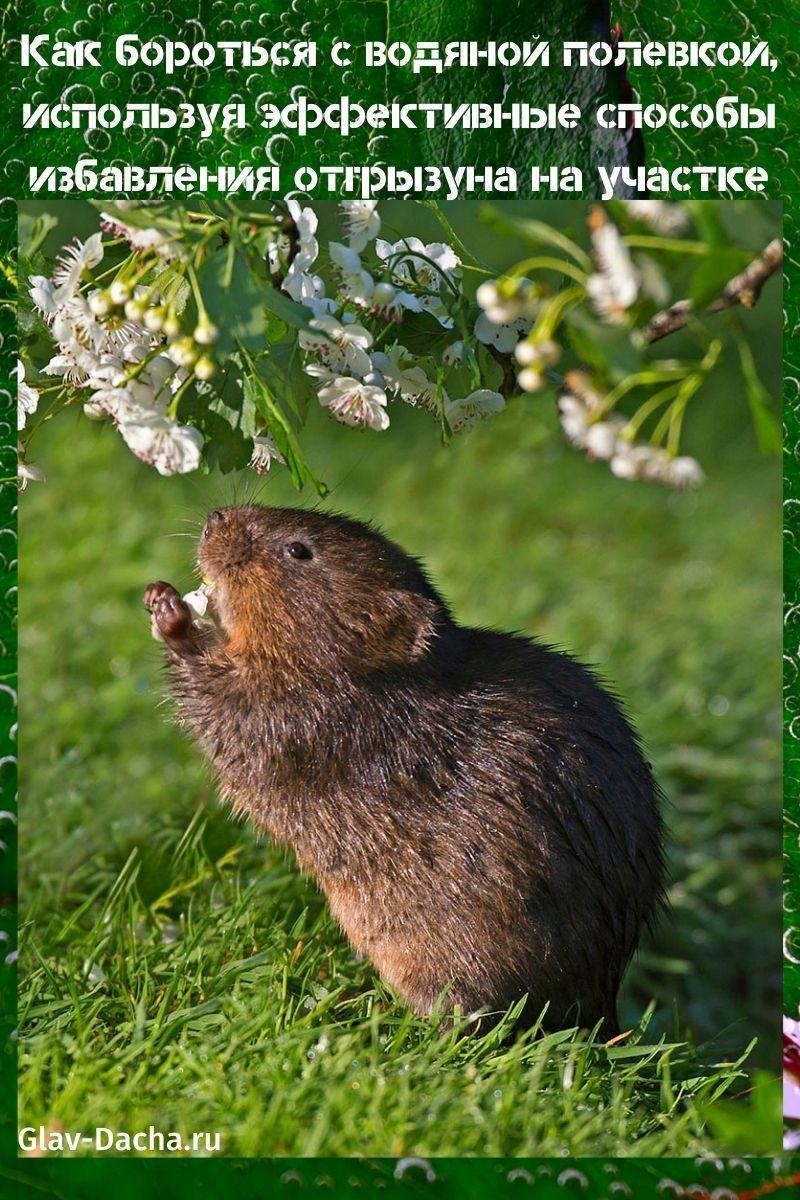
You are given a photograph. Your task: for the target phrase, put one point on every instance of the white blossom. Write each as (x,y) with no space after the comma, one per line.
(309,290)
(614,287)
(42,293)
(265,452)
(605,437)
(28,473)
(463,413)
(75,258)
(305,222)
(358,286)
(354,402)
(503,336)
(171,448)
(507,301)
(27,397)
(542,352)
(653,464)
(659,215)
(684,472)
(165,245)
(535,357)
(574,419)
(423,271)
(198,600)
(532,379)
(342,347)
(402,377)
(579,405)
(602,439)
(362,222)
(321,373)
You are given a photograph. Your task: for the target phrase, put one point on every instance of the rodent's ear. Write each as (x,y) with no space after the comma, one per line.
(404,626)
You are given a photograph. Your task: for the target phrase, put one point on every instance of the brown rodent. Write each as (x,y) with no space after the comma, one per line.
(473,804)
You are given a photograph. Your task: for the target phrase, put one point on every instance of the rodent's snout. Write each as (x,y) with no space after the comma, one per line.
(214,518)
(226,544)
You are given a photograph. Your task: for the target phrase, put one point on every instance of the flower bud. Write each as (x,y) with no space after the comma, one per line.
(154,319)
(100,304)
(383,294)
(602,440)
(119,292)
(135,310)
(531,380)
(204,368)
(205,334)
(183,351)
(487,295)
(172,326)
(526,353)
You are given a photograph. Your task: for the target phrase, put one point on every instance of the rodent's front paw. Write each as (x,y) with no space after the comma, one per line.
(171,617)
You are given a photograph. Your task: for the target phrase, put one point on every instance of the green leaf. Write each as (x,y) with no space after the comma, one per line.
(714,272)
(235,301)
(226,447)
(282,370)
(765,422)
(32,232)
(491,370)
(279,304)
(257,390)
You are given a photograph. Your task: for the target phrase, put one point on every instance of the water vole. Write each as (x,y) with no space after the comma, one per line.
(473,804)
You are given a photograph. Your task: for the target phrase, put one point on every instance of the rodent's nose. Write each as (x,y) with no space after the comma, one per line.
(214,518)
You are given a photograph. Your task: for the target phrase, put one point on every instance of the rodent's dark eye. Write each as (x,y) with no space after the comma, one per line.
(298,550)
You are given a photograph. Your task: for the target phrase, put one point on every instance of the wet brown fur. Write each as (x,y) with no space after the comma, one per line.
(473,804)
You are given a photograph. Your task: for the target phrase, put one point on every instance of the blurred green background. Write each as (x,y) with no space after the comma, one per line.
(674,597)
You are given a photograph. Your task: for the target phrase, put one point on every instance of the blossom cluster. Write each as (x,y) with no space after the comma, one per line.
(115,357)
(354,380)
(606,437)
(122,350)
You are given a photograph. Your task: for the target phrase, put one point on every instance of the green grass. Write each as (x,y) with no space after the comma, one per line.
(176,971)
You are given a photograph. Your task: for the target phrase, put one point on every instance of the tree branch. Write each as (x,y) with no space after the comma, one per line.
(744,289)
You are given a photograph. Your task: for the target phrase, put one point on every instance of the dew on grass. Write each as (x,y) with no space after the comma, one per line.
(414,1168)
(669,1187)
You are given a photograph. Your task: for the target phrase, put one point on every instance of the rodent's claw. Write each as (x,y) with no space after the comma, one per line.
(172,617)
(155,591)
